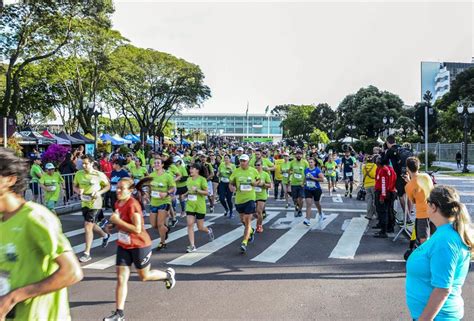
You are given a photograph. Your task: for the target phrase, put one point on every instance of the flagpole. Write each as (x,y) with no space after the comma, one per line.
(247,118)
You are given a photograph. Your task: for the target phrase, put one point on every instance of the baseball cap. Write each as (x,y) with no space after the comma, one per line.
(244,157)
(177,159)
(240,149)
(49,166)
(299,151)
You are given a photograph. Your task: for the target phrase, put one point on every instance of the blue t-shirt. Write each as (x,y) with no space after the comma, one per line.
(115,177)
(441,262)
(310,184)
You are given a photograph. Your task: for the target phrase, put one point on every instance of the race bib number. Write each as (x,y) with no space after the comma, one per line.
(4,283)
(124,237)
(330,171)
(86,198)
(224,180)
(192,197)
(298,176)
(51,188)
(349,174)
(155,194)
(285,175)
(258,189)
(113,188)
(311,184)
(246,188)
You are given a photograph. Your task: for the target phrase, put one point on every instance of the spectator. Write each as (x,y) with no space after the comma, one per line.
(67,168)
(436,271)
(458,159)
(369,170)
(36,172)
(384,188)
(39,263)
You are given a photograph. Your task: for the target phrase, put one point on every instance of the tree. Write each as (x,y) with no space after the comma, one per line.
(324,117)
(318,137)
(298,121)
(152,86)
(462,88)
(37,30)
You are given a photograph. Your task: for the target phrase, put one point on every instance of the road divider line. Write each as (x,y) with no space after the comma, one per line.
(220,242)
(349,242)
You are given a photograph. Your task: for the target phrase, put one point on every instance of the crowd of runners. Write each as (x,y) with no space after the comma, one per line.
(164,187)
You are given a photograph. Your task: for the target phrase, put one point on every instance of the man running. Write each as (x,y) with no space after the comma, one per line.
(347,166)
(243,181)
(312,190)
(297,168)
(91,184)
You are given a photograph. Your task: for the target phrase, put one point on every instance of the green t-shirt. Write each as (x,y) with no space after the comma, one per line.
(130,166)
(138,173)
(225,171)
(53,186)
(30,241)
(91,182)
(261,192)
(331,168)
(266,163)
(187,160)
(196,203)
(285,172)
(35,171)
(297,171)
(173,170)
(161,183)
(184,176)
(243,180)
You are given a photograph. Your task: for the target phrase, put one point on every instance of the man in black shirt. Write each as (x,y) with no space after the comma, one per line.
(458,159)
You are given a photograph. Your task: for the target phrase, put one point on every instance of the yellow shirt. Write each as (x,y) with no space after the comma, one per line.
(368,170)
(278,173)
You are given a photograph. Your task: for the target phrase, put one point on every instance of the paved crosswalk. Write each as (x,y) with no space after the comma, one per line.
(283,232)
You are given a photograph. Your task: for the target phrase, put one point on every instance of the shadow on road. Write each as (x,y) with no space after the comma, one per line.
(87,303)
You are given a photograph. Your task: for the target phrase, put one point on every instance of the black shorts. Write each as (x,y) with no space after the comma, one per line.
(349,178)
(164,207)
(35,188)
(263,201)
(246,208)
(197,215)
(92,215)
(181,190)
(297,191)
(400,186)
(314,194)
(140,257)
(424,228)
(215,179)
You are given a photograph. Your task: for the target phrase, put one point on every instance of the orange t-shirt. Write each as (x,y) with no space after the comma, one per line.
(126,239)
(418,190)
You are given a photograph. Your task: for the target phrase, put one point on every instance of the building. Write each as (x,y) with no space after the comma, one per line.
(437,77)
(257,127)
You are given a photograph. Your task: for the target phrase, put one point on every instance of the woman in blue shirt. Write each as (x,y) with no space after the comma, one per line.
(312,190)
(438,268)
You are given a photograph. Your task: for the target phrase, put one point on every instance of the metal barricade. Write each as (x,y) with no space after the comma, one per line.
(446,152)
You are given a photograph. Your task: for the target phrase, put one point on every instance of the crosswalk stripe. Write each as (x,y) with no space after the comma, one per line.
(348,243)
(349,210)
(327,220)
(74,232)
(220,242)
(110,260)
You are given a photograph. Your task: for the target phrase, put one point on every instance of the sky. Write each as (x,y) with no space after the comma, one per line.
(272,53)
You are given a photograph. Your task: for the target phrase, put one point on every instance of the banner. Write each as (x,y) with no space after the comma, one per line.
(90,149)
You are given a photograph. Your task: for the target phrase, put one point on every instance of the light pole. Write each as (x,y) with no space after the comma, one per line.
(464,111)
(181,131)
(388,121)
(96,113)
(351,128)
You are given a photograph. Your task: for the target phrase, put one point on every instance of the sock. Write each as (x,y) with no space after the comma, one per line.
(351,189)
(244,242)
(120,312)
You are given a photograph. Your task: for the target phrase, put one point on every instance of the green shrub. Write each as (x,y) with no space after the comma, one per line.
(431,158)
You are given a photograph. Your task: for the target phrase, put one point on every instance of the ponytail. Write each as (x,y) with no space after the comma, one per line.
(462,225)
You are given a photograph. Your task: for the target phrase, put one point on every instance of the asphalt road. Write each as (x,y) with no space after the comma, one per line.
(334,270)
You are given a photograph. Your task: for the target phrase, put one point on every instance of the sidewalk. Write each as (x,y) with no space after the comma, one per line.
(452,166)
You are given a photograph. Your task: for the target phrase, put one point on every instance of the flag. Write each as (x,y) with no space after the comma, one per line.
(266,110)
(247,111)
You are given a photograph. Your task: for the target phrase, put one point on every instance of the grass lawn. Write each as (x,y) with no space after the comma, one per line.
(471,174)
(439,169)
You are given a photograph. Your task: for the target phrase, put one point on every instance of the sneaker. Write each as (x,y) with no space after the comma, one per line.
(85,258)
(243,247)
(347,193)
(174,222)
(252,236)
(231,215)
(191,248)
(350,195)
(300,213)
(211,209)
(226,213)
(334,190)
(161,246)
(103,223)
(259,228)
(210,233)
(115,317)
(306,222)
(105,241)
(171,281)
(287,205)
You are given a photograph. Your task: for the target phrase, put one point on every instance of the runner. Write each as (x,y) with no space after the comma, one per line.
(162,187)
(196,205)
(181,184)
(226,168)
(138,173)
(312,190)
(118,173)
(133,246)
(330,172)
(285,181)
(261,193)
(51,182)
(278,177)
(35,172)
(215,178)
(243,180)
(209,170)
(90,185)
(297,168)
(173,170)
(347,166)
(37,263)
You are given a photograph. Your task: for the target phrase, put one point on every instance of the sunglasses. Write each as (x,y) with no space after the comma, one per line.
(258,164)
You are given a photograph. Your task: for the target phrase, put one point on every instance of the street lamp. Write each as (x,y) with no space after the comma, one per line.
(464,111)
(351,128)
(96,113)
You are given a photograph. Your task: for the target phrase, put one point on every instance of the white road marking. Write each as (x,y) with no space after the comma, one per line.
(395,261)
(74,232)
(220,242)
(337,198)
(349,210)
(350,240)
(327,220)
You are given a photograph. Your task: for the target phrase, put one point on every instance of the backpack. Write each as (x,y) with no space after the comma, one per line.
(403,154)
(361,194)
